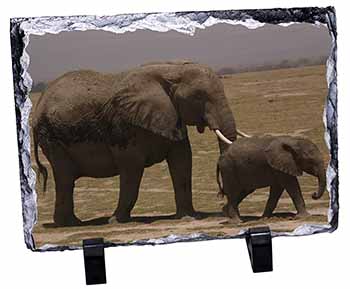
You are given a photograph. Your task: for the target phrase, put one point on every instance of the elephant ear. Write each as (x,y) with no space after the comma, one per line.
(146,102)
(281,155)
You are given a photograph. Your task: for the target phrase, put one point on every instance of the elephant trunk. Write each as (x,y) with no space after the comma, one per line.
(227,124)
(321,183)
(220,120)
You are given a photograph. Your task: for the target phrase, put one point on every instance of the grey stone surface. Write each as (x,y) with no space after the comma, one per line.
(184,22)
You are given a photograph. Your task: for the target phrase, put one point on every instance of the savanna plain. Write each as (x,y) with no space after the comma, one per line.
(283,101)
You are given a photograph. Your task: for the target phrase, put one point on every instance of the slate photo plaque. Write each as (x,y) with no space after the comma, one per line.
(156,128)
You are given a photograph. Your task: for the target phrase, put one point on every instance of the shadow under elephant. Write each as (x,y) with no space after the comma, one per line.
(100,221)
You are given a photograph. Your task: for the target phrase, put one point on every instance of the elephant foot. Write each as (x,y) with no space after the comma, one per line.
(266,219)
(185,218)
(231,213)
(303,214)
(235,221)
(67,221)
(115,219)
(267,216)
(187,214)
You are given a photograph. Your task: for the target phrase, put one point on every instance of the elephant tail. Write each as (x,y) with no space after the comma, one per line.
(41,168)
(221,191)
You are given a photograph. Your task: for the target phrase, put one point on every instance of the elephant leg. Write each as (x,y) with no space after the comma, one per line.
(130,180)
(180,167)
(64,205)
(64,174)
(243,195)
(275,194)
(293,189)
(231,211)
(235,194)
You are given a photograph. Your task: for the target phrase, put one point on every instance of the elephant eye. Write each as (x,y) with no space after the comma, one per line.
(197,97)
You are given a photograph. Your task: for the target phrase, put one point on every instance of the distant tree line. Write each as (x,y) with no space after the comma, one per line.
(286,63)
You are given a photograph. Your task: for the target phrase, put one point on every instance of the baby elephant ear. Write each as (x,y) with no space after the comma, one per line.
(281,155)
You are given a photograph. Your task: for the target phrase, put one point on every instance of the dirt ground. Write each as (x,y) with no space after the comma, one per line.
(286,101)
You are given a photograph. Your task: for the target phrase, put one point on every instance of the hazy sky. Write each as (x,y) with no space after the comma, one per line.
(221,45)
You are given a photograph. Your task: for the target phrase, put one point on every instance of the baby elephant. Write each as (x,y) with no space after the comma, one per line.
(269,161)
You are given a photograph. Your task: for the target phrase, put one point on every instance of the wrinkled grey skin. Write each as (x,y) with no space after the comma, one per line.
(275,162)
(98,125)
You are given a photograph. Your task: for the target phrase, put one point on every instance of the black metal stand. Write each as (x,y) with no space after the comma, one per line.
(259,243)
(94,260)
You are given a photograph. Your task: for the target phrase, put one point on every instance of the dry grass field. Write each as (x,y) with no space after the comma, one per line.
(286,101)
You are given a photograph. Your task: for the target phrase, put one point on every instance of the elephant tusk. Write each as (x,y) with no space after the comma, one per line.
(242,134)
(222,137)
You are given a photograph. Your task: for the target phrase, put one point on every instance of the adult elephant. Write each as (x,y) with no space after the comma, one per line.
(98,125)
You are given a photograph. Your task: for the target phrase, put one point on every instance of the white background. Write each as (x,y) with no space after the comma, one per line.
(319,261)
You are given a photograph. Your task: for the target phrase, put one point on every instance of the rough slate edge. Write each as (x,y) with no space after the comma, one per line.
(253,18)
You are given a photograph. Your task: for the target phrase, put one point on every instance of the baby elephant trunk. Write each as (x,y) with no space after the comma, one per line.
(321,183)
(221,190)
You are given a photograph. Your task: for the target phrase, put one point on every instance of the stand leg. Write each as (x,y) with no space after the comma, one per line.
(259,243)
(94,260)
